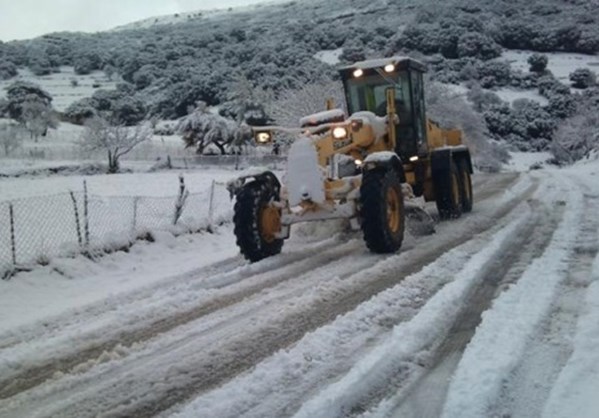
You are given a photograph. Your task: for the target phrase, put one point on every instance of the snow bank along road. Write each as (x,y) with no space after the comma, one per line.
(461,323)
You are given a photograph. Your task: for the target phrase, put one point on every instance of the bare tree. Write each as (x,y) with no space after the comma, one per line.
(116,141)
(291,105)
(10,138)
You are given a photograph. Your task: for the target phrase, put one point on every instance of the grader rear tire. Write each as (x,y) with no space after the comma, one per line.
(448,191)
(466,183)
(382,211)
(257,221)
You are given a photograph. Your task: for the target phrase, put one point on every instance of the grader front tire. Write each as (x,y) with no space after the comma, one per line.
(382,211)
(257,221)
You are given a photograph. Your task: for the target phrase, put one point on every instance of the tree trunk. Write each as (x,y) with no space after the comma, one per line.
(113,163)
(221,147)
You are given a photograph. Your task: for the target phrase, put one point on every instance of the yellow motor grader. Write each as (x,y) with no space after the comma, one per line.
(365,168)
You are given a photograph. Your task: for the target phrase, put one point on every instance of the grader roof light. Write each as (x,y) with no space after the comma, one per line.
(389,68)
(358,73)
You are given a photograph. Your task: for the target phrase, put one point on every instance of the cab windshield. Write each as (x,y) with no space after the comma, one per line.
(368,93)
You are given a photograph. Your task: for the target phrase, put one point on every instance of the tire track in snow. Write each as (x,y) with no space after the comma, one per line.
(423,395)
(286,268)
(527,390)
(278,385)
(399,358)
(516,315)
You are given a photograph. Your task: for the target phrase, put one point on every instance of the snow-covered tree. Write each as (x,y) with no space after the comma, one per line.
(10,137)
(115,140)
(246,103)
(450,111)
(472,44)
(38,118)
(80,111)
(578,135)
(202,129)
(22,92)
(482,99)
(7,70)
(538,63)
(583,78)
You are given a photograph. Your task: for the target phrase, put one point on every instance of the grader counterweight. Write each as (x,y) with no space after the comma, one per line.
(367,167)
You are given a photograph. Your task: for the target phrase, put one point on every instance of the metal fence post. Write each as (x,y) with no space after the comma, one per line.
(211,206)
(77,222)
(13,243)
(86,213)
(134,226)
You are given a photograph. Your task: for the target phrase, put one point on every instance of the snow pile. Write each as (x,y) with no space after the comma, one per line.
(379,124)
(327,116)
(525,161)
(304,175)
(66,283)
(329,56)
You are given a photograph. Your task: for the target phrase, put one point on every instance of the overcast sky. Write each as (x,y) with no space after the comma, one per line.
(23,19)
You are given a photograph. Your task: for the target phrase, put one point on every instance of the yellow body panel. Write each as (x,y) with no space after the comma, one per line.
(438,138)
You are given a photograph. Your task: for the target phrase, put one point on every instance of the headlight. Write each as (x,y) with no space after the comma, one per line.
(263,137)
(389,68)
(339,132)
(358,73)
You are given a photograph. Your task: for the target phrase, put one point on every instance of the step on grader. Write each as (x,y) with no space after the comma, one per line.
(367,168)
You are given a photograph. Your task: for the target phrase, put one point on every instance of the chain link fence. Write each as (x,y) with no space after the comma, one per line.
(35,230)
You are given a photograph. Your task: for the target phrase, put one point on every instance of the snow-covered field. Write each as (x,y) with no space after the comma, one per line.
(561,64)
(60,86)
(494,315)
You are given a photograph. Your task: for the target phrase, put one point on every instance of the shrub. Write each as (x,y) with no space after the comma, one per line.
(494,73)
(7,70)
(583,78)
(477,45)
(527,126)
(538,63)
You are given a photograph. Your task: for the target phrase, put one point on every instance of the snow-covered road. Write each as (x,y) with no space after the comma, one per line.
(490,316)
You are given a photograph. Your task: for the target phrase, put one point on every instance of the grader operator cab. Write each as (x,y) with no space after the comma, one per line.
(395,152)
